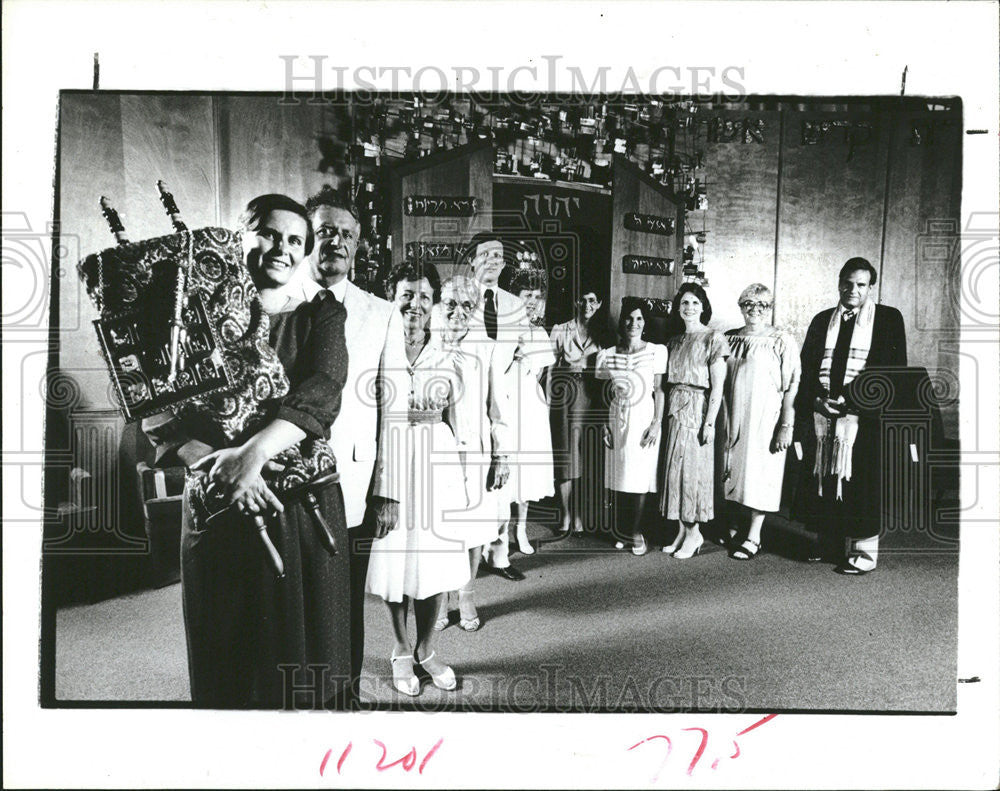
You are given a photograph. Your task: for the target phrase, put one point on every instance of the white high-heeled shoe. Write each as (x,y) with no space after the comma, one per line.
(523,543)
(690,552)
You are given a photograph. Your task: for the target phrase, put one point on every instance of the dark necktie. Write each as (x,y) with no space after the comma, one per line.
(848,315)
(490,314)
(838,365)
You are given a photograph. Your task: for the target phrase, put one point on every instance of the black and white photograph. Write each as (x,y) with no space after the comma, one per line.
(596,413)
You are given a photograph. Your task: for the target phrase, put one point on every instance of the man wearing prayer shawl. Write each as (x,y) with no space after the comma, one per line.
(841,493)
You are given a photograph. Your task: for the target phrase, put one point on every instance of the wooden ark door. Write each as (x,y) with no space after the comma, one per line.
(568,227)
(438,201)
(647,227)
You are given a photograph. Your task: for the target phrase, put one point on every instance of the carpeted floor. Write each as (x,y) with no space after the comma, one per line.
(595,629)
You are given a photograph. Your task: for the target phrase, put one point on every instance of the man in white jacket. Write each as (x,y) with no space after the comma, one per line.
(501,317)
(377,387)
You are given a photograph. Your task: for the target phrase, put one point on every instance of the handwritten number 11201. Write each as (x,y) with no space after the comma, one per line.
(407,762)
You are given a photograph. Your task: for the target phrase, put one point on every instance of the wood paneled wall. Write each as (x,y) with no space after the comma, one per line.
(830,209)
(466,171)
(920,269)
(633,191)
(740,219)
(265,146)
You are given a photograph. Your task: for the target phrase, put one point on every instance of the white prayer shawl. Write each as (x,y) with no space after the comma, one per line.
(835,436)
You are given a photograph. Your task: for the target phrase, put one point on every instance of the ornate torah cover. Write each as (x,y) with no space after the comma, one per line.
(227,368)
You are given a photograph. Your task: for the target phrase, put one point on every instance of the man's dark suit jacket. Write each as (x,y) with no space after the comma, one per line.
(860,512)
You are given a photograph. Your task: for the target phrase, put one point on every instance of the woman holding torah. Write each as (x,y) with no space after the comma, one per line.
(253,640)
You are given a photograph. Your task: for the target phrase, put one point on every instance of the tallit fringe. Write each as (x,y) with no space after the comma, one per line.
(834,457)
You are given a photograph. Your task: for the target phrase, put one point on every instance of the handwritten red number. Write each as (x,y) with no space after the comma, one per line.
(670,747)
(700,752)
(407,760)
(343,756)
(757,724)
(427,757)
(340,763)
(701,749)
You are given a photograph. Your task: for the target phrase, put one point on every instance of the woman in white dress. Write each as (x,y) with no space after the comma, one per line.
(419,559)
(632,434)
(479,414)
(761,385)
(531,472)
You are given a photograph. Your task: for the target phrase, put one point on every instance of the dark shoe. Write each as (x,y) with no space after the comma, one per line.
(851,571)
(725,539)
(746,551)
(508,573)
(817,552)
(856,565)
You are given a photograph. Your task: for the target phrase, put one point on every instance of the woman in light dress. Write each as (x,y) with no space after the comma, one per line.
(632,434)
(480,414)
(761,385)
(423,556)
(696,373)
(531,473)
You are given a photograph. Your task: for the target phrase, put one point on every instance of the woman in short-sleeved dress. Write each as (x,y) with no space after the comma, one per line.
(762,381)
(476,415)
(575,344)
(424,555)
(632,434)
(696,372)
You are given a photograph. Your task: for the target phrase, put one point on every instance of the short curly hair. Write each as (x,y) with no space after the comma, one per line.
(413,270)
(755,291)
(524,280)
(328,196)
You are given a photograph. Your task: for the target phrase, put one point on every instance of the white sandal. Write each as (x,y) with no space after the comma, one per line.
(403,682)
(445,679)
